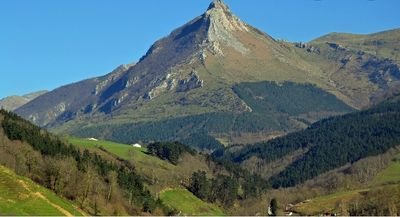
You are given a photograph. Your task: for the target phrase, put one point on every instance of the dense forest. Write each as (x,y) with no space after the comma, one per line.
(331,142)
(288,97)
(171,151)
(222,189)
(100,186)
(226,189)
(275,107)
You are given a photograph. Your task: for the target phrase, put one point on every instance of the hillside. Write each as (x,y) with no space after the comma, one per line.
(191,74)
(325,145)
(377,196)
(20,196)
(160,173)
(165,179)
(171,182)
(106,178)
(189,204)
(98,184)
(11,103)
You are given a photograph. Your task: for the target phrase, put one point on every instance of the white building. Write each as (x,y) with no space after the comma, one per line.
(92,139)
(137,145)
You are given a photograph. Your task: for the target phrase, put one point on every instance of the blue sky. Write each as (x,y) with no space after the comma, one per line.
(48,43)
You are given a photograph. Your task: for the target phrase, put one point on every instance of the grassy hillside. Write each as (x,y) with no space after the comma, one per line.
(121,150)
(100,184)
(160,173)
(390,175)
(165,179)
(20,196)
(188,204)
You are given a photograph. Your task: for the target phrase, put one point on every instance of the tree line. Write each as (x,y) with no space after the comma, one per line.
(171,151)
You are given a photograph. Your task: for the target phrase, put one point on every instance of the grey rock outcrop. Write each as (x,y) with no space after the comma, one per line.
(190,83)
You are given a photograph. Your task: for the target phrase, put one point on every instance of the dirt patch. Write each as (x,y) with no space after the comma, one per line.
(24,185)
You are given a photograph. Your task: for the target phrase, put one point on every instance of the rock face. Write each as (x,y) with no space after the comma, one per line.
(193,69)
(190,83)
(222,24)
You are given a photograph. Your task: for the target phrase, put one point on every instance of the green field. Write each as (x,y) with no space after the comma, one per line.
(188,204)
(21,196)
(326,204)
(390,175)
(121,150)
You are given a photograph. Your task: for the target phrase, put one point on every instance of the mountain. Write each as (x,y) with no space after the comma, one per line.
(197,73)
(11,103)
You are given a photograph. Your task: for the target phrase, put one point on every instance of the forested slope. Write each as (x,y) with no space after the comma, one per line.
(331,143)
(275,107)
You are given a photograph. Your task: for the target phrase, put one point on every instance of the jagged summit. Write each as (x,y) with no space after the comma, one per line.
(218,4)
(219,12)
(221,27)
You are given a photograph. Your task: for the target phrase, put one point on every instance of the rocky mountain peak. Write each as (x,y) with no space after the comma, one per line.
(222,27)
(218,4)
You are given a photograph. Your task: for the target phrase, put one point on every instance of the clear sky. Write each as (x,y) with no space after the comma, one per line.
(48,43)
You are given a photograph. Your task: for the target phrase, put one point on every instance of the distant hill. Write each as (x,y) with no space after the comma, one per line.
(12,103)
(384,44)
(193,73)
